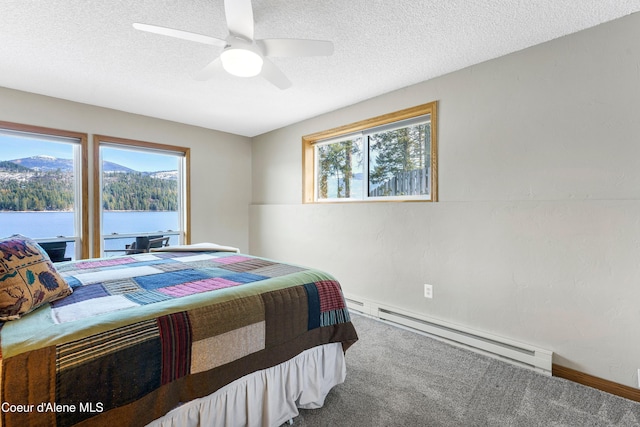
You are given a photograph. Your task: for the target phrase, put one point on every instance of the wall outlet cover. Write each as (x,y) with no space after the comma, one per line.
(428,291)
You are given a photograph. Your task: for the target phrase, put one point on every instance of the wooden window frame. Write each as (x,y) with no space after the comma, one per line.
(97,220)
(308,151)
(84,178)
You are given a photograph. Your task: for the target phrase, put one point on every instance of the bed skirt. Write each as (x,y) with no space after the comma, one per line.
(269,397)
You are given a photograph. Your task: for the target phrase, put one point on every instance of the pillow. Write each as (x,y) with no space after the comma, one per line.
(28,279)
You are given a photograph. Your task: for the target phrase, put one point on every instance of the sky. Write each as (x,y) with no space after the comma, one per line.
(139,161)
(12,147)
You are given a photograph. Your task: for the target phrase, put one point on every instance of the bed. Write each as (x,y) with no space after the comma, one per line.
(171,338)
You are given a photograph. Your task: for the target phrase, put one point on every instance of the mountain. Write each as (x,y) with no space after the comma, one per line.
(45,183)
(45,163)
(114,167)
(173,175)
(49,163)
(8,166)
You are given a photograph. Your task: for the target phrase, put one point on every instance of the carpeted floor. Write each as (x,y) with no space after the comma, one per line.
(399,378)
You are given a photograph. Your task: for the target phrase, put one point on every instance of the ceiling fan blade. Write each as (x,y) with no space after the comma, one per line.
(185,35)
(239,14)
(295,47)
(274,75)
(210,70)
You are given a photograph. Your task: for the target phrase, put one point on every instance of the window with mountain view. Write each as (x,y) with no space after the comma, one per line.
(142,194)
(41,183)
(391,157)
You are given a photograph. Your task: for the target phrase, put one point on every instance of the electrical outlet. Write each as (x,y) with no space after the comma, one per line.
(638,378)
(428,291)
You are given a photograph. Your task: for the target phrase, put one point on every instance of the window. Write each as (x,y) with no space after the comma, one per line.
(142,194)
(140,189)
(387,158)
(42,183)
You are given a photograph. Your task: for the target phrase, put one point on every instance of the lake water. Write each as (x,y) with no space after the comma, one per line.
(52,224)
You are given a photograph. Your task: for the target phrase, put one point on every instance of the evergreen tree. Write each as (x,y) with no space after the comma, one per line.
(336,160)
(22,189)
(398,151)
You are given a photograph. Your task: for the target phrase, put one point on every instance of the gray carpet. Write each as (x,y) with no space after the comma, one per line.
(396,377)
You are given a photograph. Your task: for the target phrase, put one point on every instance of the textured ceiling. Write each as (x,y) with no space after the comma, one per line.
(87,51)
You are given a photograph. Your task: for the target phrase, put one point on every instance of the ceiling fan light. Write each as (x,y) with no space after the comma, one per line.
(241,62)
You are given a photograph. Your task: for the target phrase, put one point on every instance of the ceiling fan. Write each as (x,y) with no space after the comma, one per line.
(242,55)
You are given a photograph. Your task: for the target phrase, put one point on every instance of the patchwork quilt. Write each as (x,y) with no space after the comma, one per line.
(142,334)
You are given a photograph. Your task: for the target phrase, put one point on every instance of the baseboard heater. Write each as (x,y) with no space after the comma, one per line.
(505,349)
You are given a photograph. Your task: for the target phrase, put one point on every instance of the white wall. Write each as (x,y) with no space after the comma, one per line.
(220,162)
(536,236)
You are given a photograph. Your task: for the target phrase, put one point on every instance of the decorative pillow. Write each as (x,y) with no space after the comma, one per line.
(28,279)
